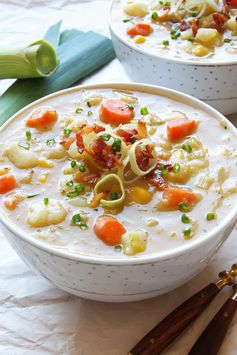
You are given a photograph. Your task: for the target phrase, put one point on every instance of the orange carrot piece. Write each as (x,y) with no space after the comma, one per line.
(115,111)
(109,229)
(142,29)
(180,128)
(66,142)
(175,196)
(42,119)
(7,183)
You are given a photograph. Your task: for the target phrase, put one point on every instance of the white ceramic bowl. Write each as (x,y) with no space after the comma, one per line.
(212,82)
(123,280)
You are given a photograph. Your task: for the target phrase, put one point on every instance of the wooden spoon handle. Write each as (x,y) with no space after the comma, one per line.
(174,324)
(212,337)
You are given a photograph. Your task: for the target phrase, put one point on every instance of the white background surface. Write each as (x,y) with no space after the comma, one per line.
(36,318)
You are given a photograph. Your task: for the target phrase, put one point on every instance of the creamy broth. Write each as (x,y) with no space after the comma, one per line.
(208,170)
(175,32)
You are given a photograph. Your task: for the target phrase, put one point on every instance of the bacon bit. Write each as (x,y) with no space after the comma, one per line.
(66,142)
(95,201)
(184,26)
(127,135)
(226,10)
(220,20)
(86,130)
(143,156)
(142,130)
(155,179)
(194,26)
(84,178)
(104,154)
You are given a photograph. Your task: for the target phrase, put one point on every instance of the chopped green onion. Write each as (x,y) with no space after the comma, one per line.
(78,110)
(194,14)
(28,135)
(37,60)
(127,20)
(183,207)
(227,40)
(31,196)
(161,2)
(133,139)
(163,170)
(118,248)
(88,104)
(176,168)
(69,183)
(166,42)
(76,218)
(185,219)
(83,225)
(82,168)
(187,147)
(106,137)
(73,163)
(89,113)
(117,144)
(210,216)
(46,201)
(114,196)
(79,188)
(67,132)
(25,146)
(72,194)
(191,40)
(175,34)
(50,142)
(144,111)
(167,3)
(154,15)
(187,233)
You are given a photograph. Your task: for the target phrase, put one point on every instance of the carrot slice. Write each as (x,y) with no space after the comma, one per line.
(115,111)
(175,196)
(42,119)
(142,29)
(109,229)
(180,128)
(7,183)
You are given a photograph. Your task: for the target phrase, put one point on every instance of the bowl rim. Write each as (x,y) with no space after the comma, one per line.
(180,61)
(140,259)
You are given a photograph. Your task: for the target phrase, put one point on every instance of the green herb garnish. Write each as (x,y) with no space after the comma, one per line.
(31,196)
(154,15)
(118,248)
(183,207)
(83,225)
(227,40)
(185,219)
(106,137)
(117,144)
(73,163)
(88,104)
(78,110)
(67,132)
(144,111)
(76,218)
(176,168)
(210,216)
(28,135)
(72,194)
(114,196)
(69,183)
(127,20)
(24,145)
(187,147)
(187,233)
(46,201)
(163,170)
(89,113)
(133,139)
(79,188)
(50,142)
(166,42)
(175,34)
(82,168)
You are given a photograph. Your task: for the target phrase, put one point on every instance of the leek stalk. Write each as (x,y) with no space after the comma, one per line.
(36,60)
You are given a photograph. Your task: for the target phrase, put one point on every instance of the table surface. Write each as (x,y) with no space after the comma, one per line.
(35,317)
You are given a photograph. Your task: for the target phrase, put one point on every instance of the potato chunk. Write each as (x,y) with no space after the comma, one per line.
(41,215)
(20,157)
(207,36)
(55,152)
(136,9)
(134,242)
(73,151)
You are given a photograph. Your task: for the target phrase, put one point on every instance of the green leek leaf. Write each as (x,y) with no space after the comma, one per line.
(53,34)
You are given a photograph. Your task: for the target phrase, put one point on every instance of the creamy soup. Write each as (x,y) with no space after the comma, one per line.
(191,29)
(116,174)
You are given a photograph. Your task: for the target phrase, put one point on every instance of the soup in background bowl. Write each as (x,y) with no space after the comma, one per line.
(185,45)
(118,192)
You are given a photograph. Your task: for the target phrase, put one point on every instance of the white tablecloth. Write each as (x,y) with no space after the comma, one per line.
(35,317)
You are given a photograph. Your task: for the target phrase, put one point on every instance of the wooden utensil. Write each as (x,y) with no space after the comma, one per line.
(212,337)
(174,324)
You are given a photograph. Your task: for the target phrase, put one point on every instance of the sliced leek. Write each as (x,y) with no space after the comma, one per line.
(104,184)
(133,159)
(39,59)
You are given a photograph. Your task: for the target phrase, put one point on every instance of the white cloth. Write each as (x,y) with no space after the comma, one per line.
(35,317)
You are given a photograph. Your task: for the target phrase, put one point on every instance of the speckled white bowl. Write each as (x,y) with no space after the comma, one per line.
(212,82)
(132,279)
